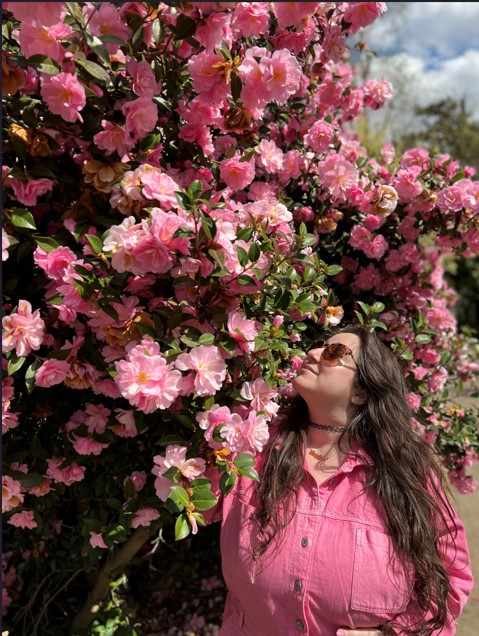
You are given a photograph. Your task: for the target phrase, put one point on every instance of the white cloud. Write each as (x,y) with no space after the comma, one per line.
(428,51)
(426,29)
(457,77)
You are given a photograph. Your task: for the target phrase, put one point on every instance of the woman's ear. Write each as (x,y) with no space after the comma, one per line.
(359,397)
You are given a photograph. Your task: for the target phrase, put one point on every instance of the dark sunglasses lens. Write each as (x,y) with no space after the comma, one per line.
(334,352)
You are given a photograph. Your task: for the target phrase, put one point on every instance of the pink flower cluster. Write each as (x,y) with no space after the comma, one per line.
(145,379)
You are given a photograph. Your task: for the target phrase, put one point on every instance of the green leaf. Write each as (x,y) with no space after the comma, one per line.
(95,243)
(44,64)
(195,189)
(422,338)
(167,440)
(95,71)
(254,252)
(332,270)
(173,473)
(203,498)
(30,375)
(227,482)
(242,256)
(46,243)
(185,27)
(236,86)
(182,528)
(183,200)
(27,480)
(23,218)
(206,339)
(244,460)
(179,496)
(378,307)
(245,280)
(60,354)
(407,355)
(15,364)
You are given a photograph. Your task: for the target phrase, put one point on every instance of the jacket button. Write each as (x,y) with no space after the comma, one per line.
(299,625)
(298,585)
(304,542)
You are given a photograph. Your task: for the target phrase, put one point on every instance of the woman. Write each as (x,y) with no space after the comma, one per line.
(349,530)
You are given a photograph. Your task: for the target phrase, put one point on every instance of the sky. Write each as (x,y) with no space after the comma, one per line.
(432,48)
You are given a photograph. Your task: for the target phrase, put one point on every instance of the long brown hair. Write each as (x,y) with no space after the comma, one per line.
(405,475)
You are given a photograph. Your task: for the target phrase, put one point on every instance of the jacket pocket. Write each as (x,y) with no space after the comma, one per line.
(381,583)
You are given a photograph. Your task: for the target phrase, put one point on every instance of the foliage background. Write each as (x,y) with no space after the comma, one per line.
(186,237)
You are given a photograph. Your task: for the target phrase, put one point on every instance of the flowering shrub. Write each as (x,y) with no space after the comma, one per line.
(185,205)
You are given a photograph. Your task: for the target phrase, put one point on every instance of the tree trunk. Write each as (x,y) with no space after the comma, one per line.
(101,587)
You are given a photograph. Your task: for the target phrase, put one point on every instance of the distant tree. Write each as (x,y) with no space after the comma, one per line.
(446,126)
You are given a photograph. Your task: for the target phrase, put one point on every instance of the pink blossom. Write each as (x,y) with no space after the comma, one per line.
(244,331)
(141,117)
(67,475)
(319,136)
(245,435)
(96,417)
(175,456)
(11,493)
(146,380)
(257,431)
(361,14)
(214,31)
(64,95)
(43,40)
(126,426)
(113,139)
(87,445)
(23,519)
(261,396)
(52,372)
(406,185)
(208,366)
(24,330)
(337,175)
(96,540)
(105,19)
(465,484)
(281,75)
(55,262)
(210,420)
(6,242)
(377,93)
(207,80)
(27,192)
(293,14)
(269,156)
(376,247)
(418,157)
(144,516)
(237,174)
(160,187)
(37,13)
(450,200)
(253,92)
(144,83)
(137,478)
(251,18)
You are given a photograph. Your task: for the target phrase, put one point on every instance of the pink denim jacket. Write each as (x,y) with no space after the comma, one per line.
(335,566)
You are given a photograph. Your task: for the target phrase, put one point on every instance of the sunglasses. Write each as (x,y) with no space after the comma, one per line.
(333,352)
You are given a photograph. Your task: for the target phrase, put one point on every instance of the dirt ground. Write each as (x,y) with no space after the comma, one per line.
(467,507)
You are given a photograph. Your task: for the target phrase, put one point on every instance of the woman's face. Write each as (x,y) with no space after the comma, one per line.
(329,384)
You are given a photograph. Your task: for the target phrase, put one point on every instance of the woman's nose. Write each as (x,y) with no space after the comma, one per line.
(315,355)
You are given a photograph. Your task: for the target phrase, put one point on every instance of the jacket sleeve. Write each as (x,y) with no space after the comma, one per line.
(458,564)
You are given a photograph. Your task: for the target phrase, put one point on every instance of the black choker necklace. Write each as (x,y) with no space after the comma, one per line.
(323,427)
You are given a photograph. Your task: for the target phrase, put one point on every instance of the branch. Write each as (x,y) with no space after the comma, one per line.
(101,587)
